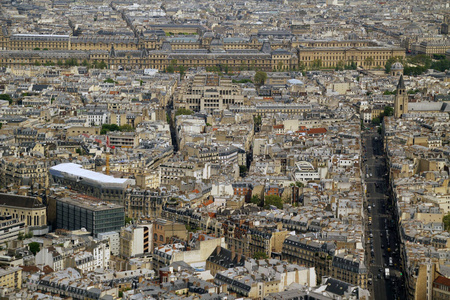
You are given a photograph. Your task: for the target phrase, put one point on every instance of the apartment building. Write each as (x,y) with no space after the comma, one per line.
(11,278)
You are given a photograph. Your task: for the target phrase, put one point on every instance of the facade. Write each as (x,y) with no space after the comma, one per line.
(96,217)
(144,203)
(208,92)
(11,278)
(27,209)
(23,171)
(188,51)
(136,240)
(164,231)
(10,228)
(441,288)
(114,241)
(401,99)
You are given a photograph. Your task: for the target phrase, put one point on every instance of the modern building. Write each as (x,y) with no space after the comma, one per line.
(91,183)
(136,240)
(76,212)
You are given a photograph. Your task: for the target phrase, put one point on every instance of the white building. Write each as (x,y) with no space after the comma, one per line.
(114,241)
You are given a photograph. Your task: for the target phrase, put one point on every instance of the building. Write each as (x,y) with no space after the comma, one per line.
(208,92)
(49,256)
(165,230)
(222,259)
(114,241)
(76,212)
(441,288)
(144,203)
(10,228)
(91,183)
(401,99)
(11,278)
(123,139)
(27,209)
(136,240)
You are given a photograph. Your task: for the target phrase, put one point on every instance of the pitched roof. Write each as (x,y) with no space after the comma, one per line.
(401,83)
(442,280)
(19,201)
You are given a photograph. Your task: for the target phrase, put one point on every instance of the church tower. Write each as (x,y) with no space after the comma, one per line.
(401,99)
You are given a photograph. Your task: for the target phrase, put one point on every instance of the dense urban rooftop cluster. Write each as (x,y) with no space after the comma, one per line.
(224,150)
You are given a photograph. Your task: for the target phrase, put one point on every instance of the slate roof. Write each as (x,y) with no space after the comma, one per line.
(20,201)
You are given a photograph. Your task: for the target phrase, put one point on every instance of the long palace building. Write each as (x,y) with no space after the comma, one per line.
(158,52)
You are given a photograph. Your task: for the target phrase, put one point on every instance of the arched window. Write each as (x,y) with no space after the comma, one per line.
(161,238)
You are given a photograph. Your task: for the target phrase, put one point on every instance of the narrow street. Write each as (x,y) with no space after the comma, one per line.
(382,243)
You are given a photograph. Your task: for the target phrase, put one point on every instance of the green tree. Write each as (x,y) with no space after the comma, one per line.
(386,92)
(376,121)
(183,111)
(21,236)
(109,80)
(316,64)
(126,128)
(109,127)
(273,200)
(446,221)
(299,184)
(128,220)
(388,111)
(102,65)
(6,97)
(170,69)
(34,247)
(260,77)
(260,255)
(255,200)
(243,170)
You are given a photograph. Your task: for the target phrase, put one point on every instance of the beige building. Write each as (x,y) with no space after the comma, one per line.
(11,278)
(208,92)
(27,209)
(123,139)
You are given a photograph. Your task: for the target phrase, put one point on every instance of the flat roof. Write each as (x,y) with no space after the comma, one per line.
(77,170)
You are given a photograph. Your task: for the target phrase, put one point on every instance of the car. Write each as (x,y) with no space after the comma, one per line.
(370,174)
(369,282)
(384,254)
(379,276)
(382,246)
(380,270)
(381,234)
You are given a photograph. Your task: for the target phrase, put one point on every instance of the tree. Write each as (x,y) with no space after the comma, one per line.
(260,255)
(109,80)
(128,220)
(242,171)
(126,128)
(446,221)
(170,69)
(388,111)
(109,127)
(255,200)
(21,236)
(376,121)
(273,200)
(316,64)
(183,111)
(34,247)
(6,97)
(299,184)
(260,77)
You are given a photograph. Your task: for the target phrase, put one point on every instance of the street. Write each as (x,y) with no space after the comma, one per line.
(382,243)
